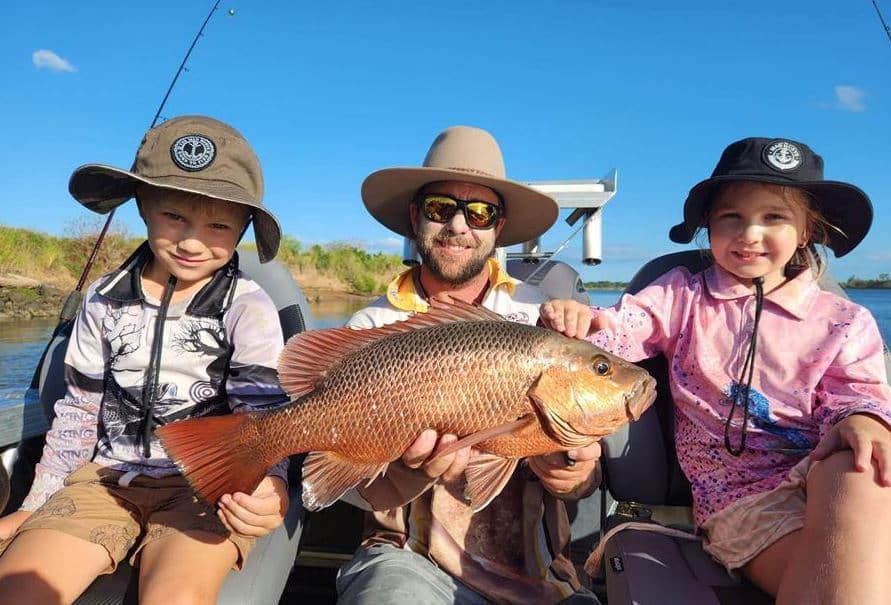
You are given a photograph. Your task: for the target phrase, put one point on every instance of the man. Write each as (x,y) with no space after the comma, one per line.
(423,542)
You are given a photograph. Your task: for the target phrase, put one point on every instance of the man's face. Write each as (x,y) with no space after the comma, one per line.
(454,252)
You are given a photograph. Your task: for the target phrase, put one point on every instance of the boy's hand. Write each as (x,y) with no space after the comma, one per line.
(258,514)
(568,317)
(869,439)
(565,479)
(447,468)
(11,522)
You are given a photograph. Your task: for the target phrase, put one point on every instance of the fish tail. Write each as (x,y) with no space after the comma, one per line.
(217,454)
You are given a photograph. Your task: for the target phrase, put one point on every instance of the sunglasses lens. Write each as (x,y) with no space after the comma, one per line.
(481,215)
(439,208)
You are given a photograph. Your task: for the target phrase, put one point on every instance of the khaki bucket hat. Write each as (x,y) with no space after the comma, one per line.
(471,155)
(194,154)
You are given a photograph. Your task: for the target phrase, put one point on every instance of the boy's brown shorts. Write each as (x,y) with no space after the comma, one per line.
(93,506)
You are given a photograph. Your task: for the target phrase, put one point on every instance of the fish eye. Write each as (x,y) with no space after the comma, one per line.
(602,365)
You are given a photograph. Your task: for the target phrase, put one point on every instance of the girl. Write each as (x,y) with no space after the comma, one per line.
(782,403)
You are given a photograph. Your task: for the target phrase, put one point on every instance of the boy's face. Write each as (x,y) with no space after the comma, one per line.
(190,237)
(754,231)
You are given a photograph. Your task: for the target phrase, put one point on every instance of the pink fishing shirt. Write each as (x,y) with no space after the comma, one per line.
(819,359)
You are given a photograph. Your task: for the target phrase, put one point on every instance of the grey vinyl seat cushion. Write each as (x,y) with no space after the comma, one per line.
(641,466)
(265,574)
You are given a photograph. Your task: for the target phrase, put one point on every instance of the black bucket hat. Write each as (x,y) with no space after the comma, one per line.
(783,162)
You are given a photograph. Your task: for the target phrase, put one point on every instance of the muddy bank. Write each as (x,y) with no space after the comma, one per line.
(327,295)
(29,302)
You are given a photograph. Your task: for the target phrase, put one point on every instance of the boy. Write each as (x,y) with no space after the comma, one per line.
(176,332)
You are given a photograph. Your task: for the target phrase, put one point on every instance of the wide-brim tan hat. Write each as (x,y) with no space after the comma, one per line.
(470,155)
(193,154)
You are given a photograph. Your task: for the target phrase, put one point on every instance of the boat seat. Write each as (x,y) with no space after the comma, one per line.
(266,572)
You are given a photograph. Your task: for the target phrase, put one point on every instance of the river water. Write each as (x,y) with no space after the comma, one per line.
(22,342)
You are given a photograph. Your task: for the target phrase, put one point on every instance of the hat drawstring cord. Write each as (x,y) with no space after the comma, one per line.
(748,371)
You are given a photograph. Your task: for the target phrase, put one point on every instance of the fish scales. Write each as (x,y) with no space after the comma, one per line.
(402,385)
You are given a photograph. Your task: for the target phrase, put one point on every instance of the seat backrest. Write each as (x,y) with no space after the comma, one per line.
(556,278)
(273,277)
(640,461)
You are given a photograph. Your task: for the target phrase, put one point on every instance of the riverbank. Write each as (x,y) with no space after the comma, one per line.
(37,270)
(36,300)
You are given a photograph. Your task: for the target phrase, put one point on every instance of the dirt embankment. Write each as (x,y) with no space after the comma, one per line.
(27,298)
(24,298)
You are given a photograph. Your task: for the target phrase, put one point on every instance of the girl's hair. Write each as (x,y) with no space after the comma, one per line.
(813,254)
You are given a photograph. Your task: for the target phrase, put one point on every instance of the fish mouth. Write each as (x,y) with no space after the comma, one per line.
(640,398)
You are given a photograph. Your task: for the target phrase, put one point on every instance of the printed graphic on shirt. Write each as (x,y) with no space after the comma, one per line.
(761,418)
(199,345)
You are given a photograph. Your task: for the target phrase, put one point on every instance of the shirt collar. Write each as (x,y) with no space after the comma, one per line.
(125,285)
(403,294)
(795,296)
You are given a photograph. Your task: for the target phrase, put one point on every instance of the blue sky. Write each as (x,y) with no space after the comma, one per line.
(329,92)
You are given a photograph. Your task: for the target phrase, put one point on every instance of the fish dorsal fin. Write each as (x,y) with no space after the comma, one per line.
(327,477)
(554,385)
(487,474)
(307,356)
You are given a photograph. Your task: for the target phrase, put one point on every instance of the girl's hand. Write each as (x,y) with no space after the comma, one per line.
(11,522)
(568,317)
(568,474)
(869,439)
(257,514)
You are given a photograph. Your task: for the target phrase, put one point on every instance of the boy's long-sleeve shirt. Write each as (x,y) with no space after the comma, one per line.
(218,355)
(819,359)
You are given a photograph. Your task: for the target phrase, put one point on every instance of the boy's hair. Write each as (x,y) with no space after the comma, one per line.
(816,226)
(149,194)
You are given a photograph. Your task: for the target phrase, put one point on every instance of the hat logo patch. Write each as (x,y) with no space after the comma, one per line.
(782,155)
(193,152)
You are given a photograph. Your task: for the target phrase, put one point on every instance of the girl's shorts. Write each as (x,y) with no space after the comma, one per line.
(737,534)
(122,517)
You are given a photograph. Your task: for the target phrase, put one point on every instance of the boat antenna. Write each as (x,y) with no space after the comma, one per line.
(72,303)
(882,19)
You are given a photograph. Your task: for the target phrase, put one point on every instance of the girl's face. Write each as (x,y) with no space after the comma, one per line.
(754,231)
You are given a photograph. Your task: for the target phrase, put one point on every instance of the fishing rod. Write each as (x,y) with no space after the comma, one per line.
(74,299)
(182,67)
(882,19)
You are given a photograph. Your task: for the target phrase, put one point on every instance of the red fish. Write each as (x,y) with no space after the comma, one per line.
(361,397)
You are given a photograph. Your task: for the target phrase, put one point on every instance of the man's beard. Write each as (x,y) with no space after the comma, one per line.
(449,274)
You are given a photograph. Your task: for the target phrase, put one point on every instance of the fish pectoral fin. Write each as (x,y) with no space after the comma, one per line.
(487,474)
(327,476)
(485,435)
